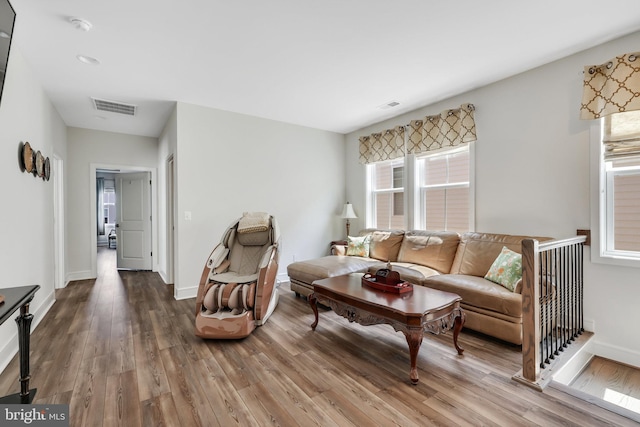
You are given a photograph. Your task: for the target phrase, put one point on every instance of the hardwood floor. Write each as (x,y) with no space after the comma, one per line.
(121,351)
(611,381)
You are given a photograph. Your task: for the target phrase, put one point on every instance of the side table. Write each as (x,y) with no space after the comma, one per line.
(15,298)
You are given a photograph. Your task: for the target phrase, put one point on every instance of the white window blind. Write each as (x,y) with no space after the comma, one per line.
(445,191)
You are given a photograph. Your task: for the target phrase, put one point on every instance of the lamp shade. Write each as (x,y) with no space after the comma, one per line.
(347,211)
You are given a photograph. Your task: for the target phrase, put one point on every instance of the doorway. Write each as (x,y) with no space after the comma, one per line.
(116,170)
(106,208)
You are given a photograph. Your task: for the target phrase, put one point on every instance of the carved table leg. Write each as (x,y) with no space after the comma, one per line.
(459,323)
(24,329)
(314,307)
(414,339)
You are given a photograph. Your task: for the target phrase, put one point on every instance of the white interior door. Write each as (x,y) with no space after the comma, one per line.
(133,220)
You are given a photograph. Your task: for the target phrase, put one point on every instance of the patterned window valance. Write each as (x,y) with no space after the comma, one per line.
(387,145)
(448,129)
(612,87)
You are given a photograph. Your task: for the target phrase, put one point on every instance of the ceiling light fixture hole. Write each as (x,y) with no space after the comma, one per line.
(87,60)
(81,24)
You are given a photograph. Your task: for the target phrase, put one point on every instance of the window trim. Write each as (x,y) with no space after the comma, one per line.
(599,205)
(371,214)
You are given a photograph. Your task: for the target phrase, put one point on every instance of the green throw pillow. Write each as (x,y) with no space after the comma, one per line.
(358,246)
(506,270)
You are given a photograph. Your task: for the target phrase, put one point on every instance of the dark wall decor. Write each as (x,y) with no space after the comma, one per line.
(33,162)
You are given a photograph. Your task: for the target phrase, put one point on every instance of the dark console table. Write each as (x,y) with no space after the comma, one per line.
(15,298)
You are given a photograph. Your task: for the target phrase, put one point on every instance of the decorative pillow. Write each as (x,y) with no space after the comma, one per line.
(506,270)
(358,246)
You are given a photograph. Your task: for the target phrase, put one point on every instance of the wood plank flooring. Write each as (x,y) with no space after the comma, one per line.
(121,352)
(611,381)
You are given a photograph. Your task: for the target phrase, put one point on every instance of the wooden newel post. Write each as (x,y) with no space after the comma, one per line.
(530,310)
(24,329)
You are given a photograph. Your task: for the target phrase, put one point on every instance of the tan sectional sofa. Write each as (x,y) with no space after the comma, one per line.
(439,260)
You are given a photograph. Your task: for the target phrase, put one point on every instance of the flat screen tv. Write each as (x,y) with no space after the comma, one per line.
(7,20)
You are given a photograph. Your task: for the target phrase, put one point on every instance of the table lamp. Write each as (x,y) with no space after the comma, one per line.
(348,213)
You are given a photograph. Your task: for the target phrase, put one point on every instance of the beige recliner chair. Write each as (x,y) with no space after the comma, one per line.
(237,289)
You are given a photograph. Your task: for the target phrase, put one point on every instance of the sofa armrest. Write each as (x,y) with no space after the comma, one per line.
(338,249)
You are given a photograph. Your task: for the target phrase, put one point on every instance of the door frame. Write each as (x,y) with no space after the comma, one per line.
(171,209)
(60,278)
(93,168)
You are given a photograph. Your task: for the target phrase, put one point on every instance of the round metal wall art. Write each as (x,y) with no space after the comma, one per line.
(33,162)
(47,169)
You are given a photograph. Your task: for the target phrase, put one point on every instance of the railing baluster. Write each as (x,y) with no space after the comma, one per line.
(574,321)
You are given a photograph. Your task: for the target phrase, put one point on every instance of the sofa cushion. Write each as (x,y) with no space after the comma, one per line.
(385,245)
(506,270)
(478,292)
(434,249)
(477,251)
(328,266)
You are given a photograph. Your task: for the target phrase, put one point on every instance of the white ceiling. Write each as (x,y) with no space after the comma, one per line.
(325,64)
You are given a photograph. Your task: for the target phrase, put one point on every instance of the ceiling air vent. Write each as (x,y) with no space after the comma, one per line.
(388,105)
(114,107)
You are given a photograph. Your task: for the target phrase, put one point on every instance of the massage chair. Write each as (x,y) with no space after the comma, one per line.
(237,289)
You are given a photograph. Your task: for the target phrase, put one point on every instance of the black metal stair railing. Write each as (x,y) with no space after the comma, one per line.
(561,299)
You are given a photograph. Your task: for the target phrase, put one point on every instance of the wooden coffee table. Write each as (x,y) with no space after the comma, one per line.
(411,313)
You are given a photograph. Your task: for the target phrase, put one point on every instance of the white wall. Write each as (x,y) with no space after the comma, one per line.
(532,177)
(86,148)
(229,163)
(26,216)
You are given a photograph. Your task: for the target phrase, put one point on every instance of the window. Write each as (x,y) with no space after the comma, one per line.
(432,192)
(618,152)
(444,193)
(109,206)
(386,184)
(623,207)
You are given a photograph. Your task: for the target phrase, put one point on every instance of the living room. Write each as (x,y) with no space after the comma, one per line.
(532,176)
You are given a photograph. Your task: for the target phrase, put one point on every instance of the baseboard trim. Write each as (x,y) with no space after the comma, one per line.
(79,275)
(10,349)
(163,276)
(283,278)
(186,293)
(617,354)
(590,325)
